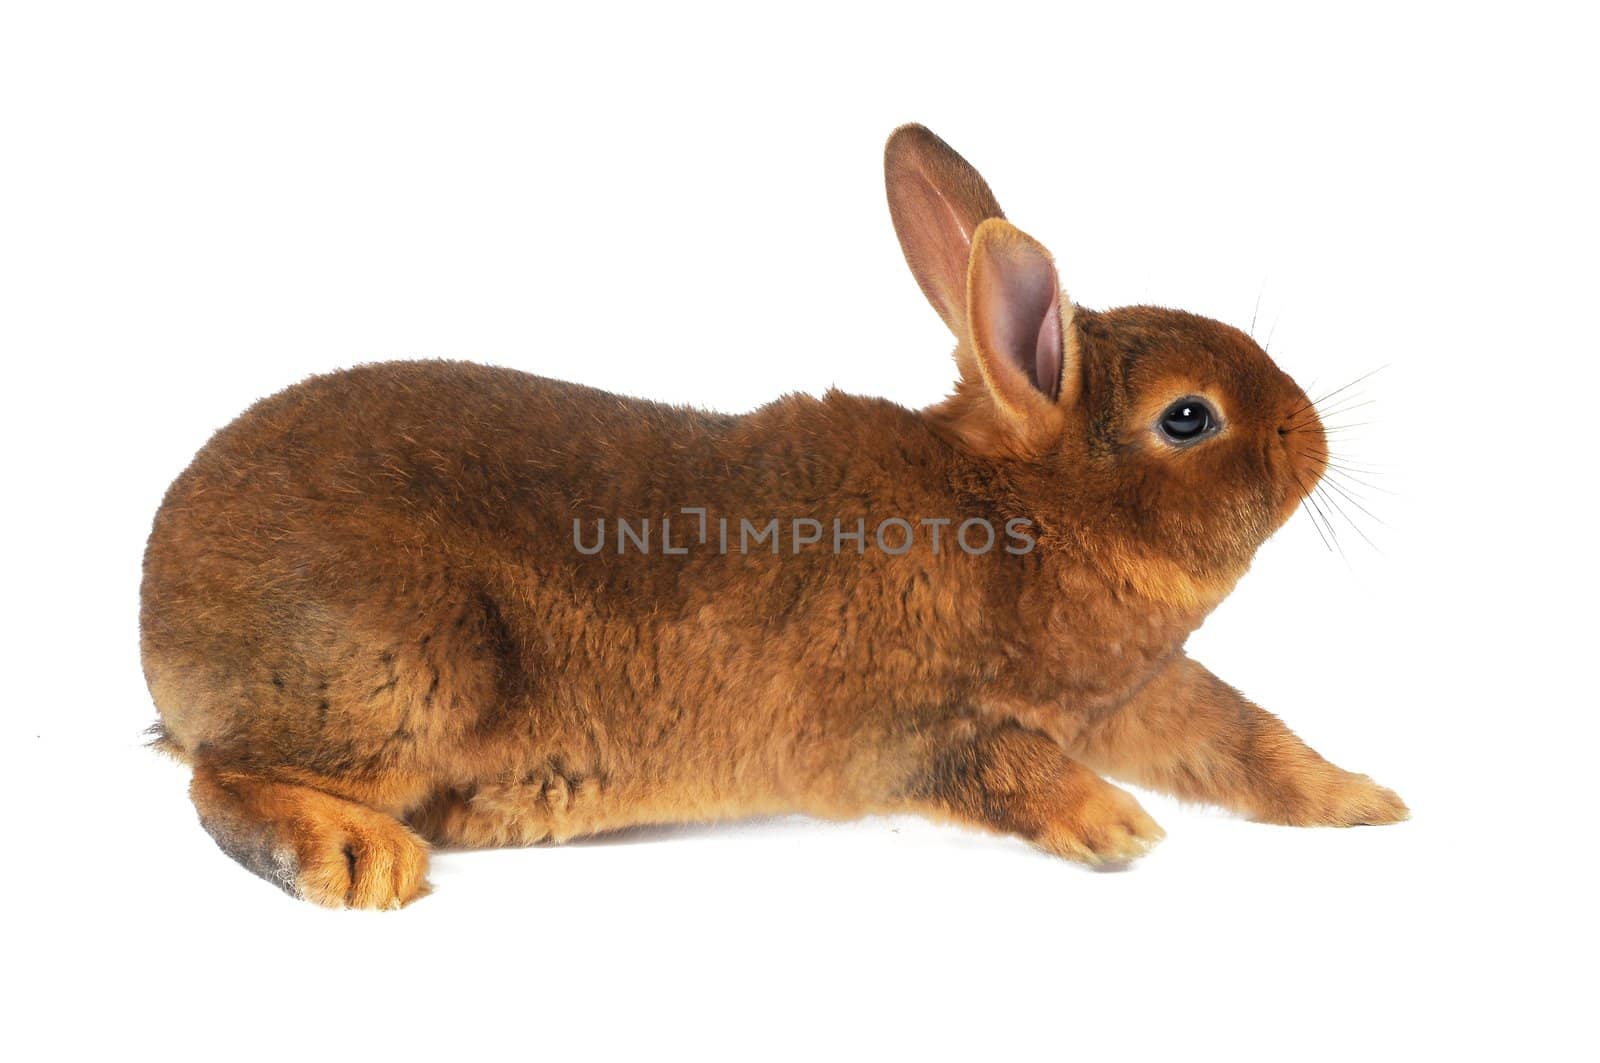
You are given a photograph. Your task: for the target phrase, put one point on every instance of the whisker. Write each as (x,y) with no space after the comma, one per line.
(1352,478)
(1359,464)
(1344,407)
(1340,510)
(1349,498)
(1332,532)
(1312,515)
(1355,497)
(1349,484)
(1305,496)
(1355,476)
(1357,481)
(1341,481)
(1363,377)
(1310,426)
(1313,419)
(1336,462)
(1369,466)
(1336,391)
(1316,415)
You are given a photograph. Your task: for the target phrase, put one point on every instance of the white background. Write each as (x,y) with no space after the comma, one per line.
(201,204)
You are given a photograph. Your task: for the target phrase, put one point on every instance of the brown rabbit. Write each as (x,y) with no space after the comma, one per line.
(438,602)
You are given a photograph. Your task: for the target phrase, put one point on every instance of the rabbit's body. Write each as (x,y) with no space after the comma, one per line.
(492,666)
(373,609)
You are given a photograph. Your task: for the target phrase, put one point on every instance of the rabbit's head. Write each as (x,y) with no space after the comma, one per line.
(1165,445)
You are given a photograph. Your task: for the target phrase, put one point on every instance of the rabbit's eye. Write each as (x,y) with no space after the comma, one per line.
(1187,420)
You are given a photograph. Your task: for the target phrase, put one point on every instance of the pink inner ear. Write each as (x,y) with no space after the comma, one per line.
(1047,353)
(1026,314)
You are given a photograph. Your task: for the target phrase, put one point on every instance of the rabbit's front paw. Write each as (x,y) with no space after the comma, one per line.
(1355,800)
(1335,798)
(1106,826)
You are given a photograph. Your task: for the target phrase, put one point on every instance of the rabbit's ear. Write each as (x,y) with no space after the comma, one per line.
(1021,331)
(937,201)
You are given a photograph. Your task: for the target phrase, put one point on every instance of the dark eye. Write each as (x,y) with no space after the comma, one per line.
(1187,420)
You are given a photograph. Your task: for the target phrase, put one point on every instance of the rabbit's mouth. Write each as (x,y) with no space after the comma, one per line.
(1304,446)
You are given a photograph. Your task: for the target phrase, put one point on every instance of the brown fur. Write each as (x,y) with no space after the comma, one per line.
(366,624)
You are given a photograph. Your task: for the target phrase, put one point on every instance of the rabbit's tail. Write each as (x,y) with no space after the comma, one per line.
(161,742)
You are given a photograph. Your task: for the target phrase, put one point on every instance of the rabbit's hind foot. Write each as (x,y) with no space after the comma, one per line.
(310,843)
